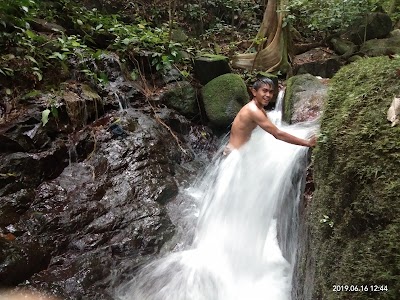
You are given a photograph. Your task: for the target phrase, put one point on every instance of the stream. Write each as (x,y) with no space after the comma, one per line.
(237,226)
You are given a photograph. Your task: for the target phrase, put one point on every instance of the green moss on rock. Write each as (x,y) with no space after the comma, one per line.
(182,97)
(379,47)
(210,66)
(357,178)
(304,86)
(223,97)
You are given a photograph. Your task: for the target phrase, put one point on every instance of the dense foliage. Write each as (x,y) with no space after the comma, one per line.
(329,17)
(28,58)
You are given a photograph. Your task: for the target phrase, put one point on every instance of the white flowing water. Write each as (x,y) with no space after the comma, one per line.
(232,251)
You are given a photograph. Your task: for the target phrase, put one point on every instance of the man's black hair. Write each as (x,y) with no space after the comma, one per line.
(261,81)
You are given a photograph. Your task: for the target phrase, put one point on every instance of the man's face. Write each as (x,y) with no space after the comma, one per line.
(263,95)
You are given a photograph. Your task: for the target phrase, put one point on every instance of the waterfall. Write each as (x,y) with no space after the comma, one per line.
(232,250)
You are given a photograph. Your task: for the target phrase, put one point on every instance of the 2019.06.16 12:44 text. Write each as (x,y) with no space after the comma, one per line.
(360,288)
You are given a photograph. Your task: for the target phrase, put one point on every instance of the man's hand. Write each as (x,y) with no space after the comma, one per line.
(312,141)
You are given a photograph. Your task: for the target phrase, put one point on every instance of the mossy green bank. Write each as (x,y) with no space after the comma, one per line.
(355,212)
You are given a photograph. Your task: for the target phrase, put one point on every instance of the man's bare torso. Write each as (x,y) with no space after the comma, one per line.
(242,126)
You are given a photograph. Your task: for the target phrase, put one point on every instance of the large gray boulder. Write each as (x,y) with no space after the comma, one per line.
(375,25)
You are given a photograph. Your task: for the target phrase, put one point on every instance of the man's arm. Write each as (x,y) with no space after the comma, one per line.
(262,120)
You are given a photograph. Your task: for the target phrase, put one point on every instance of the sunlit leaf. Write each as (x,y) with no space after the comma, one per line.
(45,116)
(134,75)
(31,59)
(38,75)
(30,34)
(31,94)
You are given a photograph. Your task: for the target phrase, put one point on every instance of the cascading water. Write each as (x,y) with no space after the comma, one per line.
(232,251)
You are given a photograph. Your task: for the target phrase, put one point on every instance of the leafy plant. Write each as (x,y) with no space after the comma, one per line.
(317,15)
(14,13)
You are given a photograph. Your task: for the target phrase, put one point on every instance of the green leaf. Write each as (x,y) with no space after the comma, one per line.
(8,92)
(97,54)
(7,72)
(45,116)
(38,75)
(79,22)
(58,55)
(54,111)
(31,59)
(31,94)
(134,75)
(75,44)
(30,34)
(126,41)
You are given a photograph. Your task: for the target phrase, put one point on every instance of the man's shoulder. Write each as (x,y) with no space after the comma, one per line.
(250,107)
(250,111)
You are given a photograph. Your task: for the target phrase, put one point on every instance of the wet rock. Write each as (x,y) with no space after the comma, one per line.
(20,262)
(182,97)
(24,134)
(27,170)
(13,206)
(304,98)
(82,104)
(100,216)
(318,62)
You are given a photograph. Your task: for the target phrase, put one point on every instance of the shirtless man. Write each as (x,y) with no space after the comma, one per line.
(253,114)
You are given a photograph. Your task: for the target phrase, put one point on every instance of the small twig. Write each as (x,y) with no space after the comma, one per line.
(147,92)
(167,127)
(94,146)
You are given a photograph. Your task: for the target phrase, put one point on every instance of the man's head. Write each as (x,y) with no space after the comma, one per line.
(263,91)
(261,81)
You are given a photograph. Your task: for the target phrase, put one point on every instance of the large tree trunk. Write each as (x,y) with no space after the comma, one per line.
(272,51)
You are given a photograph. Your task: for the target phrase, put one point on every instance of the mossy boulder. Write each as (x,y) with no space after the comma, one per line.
(223,97)
(354,216)
(304,98)
(379,47)
(210,66)
(182,97)
(375,25)
(343,47)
